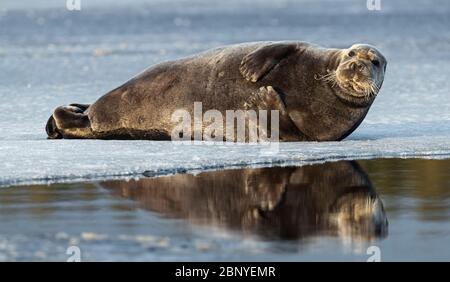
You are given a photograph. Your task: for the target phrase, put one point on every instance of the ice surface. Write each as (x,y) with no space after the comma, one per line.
(50,56)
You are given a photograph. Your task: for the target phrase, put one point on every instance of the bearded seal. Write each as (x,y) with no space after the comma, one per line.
(321,94)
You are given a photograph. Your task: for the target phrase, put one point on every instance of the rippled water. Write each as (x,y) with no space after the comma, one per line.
(331,211)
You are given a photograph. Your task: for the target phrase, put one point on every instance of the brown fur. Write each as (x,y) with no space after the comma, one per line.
(227,78)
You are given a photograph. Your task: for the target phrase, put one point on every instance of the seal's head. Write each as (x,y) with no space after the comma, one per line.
(357,73)
(360,72)
(359,216)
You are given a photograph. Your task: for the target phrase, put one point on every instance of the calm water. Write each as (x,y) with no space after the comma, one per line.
(331,211)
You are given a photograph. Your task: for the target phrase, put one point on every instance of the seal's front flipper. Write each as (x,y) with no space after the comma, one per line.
(260,62)
(69,122)
(270,99)
(266,98)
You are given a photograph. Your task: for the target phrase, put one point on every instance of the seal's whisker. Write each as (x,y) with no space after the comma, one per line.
(374,89)
(328,78)
(370,89)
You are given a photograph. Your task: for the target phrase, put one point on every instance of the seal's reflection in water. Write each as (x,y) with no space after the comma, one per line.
(291,203)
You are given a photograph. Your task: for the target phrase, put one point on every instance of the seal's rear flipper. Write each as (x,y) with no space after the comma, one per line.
(82,107)
(69,122)
(52,130)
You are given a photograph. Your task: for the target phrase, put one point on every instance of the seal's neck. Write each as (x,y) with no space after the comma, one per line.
(332,59)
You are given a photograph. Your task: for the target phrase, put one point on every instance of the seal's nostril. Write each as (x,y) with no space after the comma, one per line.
(352,65)
(360,66)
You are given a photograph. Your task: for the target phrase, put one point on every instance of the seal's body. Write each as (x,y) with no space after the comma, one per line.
(321,94)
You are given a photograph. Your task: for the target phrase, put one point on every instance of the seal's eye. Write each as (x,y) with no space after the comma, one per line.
(351,53)
(376,63)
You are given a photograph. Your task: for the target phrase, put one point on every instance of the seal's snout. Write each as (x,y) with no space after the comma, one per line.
(357,66)
(354,70)
(361,71)
(52,129)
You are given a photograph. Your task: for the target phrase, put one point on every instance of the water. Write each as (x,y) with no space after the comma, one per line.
(331,211)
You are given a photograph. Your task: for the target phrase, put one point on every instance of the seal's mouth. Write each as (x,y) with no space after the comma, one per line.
(357,79)
(356,86)
(359,89)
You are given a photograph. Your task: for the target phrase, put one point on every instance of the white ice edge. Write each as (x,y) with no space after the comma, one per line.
(68,161)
